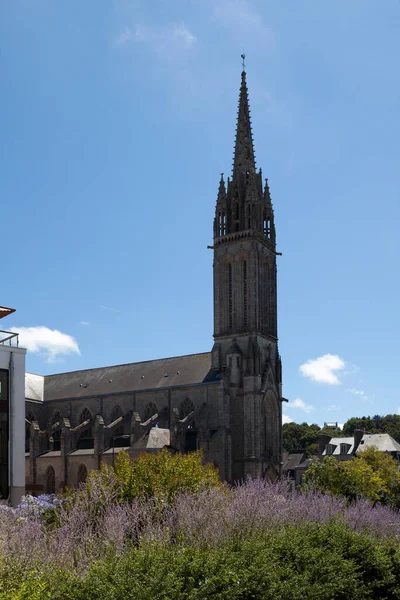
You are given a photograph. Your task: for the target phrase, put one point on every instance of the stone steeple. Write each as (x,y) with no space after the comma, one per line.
(245,309)
(244,159)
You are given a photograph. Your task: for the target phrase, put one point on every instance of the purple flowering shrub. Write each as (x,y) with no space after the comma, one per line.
(94,526)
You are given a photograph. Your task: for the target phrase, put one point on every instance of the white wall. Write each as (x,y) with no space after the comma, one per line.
(13,359)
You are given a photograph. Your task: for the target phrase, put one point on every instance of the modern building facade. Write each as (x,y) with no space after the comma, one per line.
(226,402)
(12,415)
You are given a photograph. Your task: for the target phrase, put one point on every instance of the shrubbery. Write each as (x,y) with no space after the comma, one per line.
(187,537)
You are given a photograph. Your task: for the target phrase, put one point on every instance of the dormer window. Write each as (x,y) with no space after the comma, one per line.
(344,448)
(329,450)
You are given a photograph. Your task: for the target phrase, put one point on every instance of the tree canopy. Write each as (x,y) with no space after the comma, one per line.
(371,474)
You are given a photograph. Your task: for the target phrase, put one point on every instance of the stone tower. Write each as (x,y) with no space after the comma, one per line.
(245,313)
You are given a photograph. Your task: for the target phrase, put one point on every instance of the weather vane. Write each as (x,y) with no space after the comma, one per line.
(243,56)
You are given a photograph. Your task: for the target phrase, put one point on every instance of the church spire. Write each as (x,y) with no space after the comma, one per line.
(244,160)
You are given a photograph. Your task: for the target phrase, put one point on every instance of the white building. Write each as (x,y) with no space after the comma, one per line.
(12,415)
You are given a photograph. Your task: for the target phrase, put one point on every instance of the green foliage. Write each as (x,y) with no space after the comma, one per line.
(372,474)
(313,560)
(389,424)
(365,423)
(163,475)
(160,476)
(304,437)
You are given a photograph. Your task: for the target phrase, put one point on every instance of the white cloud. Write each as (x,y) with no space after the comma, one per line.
(299,403)
(356,392)
(286,419)
(84,322)
(51,343)
(243,20)
(322,369)
(171,41)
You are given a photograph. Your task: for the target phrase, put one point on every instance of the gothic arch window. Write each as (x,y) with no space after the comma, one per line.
(86,415)
(245,294)
(28,420)
(82,474)
(150,410)
(186,408)
(116,414)
(56,418)
(271,428)
(56,433)
(230,297)
(50,485)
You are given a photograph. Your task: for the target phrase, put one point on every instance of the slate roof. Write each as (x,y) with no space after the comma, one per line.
(291,460)
(382,441)
(34,385)
(336,441)
(176,371)
(155,438)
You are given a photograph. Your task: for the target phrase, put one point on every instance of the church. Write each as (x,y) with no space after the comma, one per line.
(227,402)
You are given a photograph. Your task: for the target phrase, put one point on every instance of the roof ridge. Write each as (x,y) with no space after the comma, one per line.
(139,362)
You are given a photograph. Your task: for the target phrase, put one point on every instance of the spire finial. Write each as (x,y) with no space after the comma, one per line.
(243,57)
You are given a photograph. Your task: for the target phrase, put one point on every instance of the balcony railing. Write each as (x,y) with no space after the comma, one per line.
(8,338)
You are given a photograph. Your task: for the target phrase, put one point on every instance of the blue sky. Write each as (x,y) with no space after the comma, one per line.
(117,118)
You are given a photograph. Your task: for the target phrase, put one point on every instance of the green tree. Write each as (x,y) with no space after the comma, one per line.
(372,474)
(304,437)
(163,475)
(365,423)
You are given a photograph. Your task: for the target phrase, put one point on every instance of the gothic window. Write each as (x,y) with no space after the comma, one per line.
(269,229)
(116,414)
(150,410)
(230,298)
(245,294)
(50,485)
(56,418)
(237,215)
(29,418)
(249,216)
(88,430)
(186,408)
(271,428)
(82,474)
(56,433)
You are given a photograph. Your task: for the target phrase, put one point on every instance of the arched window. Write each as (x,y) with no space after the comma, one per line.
(28,420)
(86,416)
(82,474)
(150,410)
(56,418)
(271,428)
(50,481)
(186,408)
(116,414)
(245,294)
(56,433)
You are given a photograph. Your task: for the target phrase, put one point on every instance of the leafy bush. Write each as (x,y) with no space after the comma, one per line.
(371,474)
(314,561)
(161,476)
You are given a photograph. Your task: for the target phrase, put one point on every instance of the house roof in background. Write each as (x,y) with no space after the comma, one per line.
(382,441)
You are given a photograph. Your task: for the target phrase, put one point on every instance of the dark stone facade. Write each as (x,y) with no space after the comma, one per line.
(227,402)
